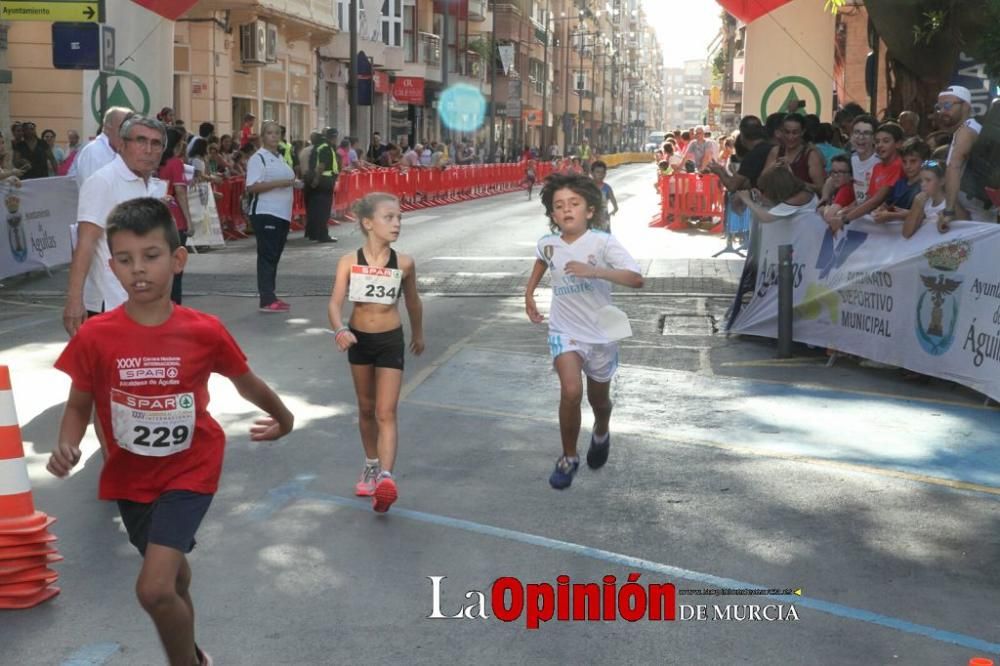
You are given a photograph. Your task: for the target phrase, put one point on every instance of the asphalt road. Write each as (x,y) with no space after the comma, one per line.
(874,497)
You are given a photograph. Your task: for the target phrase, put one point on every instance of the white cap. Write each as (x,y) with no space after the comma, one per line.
(960,92)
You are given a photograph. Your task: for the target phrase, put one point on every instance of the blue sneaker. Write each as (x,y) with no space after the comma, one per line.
(597,454)
(562,475)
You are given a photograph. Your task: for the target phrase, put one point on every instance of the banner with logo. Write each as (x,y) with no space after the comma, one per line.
(409,90)
(144,76)
(930,303)
(34,233)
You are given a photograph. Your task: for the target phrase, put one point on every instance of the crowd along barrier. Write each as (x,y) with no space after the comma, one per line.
(684,196)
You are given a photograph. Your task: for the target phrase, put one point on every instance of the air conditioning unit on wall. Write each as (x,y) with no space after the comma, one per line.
(253,43)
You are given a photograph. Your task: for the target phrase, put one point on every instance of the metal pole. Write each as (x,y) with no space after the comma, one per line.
(567,77)
(544,148)
(371,109)
(444,69)
(493,87)
(579,108)
(352,81)
(785,287)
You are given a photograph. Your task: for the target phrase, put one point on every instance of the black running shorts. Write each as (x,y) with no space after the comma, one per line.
(383,350)
(171,520)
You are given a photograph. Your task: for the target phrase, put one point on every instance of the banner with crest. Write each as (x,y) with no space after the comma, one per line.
(34,231)
(930,303)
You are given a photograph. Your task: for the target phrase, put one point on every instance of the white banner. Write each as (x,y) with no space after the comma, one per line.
(930,303)
(36,220)
(206,229)
(144,78)
(506,57)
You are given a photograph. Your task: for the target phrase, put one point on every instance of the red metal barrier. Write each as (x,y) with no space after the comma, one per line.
(690,195)
(230,207)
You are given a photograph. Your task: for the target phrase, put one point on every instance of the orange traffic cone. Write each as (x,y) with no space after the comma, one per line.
(25,553)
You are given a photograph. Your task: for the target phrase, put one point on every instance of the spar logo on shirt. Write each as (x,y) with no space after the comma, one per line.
(148,370)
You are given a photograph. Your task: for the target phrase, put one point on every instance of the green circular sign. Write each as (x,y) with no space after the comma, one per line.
(791,95)
(119,94)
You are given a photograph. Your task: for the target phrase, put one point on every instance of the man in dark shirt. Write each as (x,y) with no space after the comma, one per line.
(752,165)
(35,151)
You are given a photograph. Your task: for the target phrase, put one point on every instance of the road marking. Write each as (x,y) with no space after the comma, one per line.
(92,655)
(743,450)
(26,304)
(443,358)
(296,490)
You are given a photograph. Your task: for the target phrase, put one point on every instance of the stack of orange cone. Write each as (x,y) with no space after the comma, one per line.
(25,543)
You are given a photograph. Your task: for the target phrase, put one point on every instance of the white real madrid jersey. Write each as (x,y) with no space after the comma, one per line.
(575,300)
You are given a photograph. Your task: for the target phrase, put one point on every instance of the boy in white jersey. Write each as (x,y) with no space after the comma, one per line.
(584,264)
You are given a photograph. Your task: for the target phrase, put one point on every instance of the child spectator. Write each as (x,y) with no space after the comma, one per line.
(884,176)
(842,187)
(914,153)
(930,203)
(787,194)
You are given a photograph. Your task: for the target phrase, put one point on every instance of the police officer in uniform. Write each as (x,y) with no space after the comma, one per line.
(323,171)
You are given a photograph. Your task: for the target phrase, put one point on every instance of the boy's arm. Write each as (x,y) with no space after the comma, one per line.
(414,306)
(870,204)
(75,418)
(529,291)
(916,216)
(279,421)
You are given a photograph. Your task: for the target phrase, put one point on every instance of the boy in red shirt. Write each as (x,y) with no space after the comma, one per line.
(146,366)
(886,174)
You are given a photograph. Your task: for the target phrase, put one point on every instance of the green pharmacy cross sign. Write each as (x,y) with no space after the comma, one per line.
(790,89)
(126,89)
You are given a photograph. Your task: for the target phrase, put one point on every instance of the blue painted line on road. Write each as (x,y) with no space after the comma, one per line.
(94,654)
(296,490)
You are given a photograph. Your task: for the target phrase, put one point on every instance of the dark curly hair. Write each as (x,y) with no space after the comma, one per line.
(581,185)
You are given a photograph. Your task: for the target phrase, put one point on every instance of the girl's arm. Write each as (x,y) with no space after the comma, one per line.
(414,306)
(279,421)
(916,216)
(529,291)
(74,423)
(336,305)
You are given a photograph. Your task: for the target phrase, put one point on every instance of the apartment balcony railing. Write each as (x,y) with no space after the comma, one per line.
(430,49)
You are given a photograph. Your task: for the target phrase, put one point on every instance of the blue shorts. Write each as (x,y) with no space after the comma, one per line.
(171,520)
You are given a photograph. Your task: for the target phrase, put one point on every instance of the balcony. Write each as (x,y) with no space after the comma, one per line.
(478,10)
(430,49)
(428,62)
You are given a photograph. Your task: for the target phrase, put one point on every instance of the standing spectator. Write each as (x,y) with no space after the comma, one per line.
(954,110)
(390,157)
(16,133)
(700,150)
(754,138)
(171,172)
(344,154)
(102,150)
(824,144)
(319,197)
(376,148)
(910,122)
(271,181)
(226,146)
(411,158)
(55,152)
(166,116)
(93,288)
(864,159)
(285,148)
(797,155)
(304,156)
(246,131)
(74,148)
(427,154)
(204,132)
(555,152)
(36,152)
(6,172)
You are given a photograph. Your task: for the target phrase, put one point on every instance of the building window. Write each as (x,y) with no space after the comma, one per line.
(580,81)
(343,7)
(392,22)
(272,111)
(409,34)
(536,74)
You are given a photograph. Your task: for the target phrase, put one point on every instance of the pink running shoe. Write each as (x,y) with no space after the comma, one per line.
(385,494)
(365,487)
(277,306)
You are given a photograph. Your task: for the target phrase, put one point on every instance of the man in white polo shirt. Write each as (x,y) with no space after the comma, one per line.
(102,149)
(93,288)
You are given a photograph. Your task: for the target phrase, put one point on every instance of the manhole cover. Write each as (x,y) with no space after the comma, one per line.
(687,324)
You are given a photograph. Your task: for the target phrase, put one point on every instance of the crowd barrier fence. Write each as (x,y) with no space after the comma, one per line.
(684,196)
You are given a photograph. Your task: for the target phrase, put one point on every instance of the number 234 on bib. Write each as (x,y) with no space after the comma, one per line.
(371,284)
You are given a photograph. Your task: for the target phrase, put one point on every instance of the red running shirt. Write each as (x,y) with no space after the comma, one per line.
(886,175)
(150,385)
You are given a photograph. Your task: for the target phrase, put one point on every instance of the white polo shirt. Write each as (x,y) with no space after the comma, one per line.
(109,186)
(576,300)
(92,157)
(264,167)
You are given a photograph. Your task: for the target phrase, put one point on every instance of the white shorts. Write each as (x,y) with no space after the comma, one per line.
(600,362)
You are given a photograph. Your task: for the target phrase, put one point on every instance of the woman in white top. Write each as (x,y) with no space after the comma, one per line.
(270,183)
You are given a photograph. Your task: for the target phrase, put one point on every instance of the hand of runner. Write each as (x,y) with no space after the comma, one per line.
(63,459)
(266,429)
(417,346)
(532,310)
(346,340)
(580,269)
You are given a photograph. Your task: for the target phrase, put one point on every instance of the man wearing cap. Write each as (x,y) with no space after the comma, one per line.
(322,176)
(954,109)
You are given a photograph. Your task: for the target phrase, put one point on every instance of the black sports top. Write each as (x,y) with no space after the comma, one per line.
(392,258)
